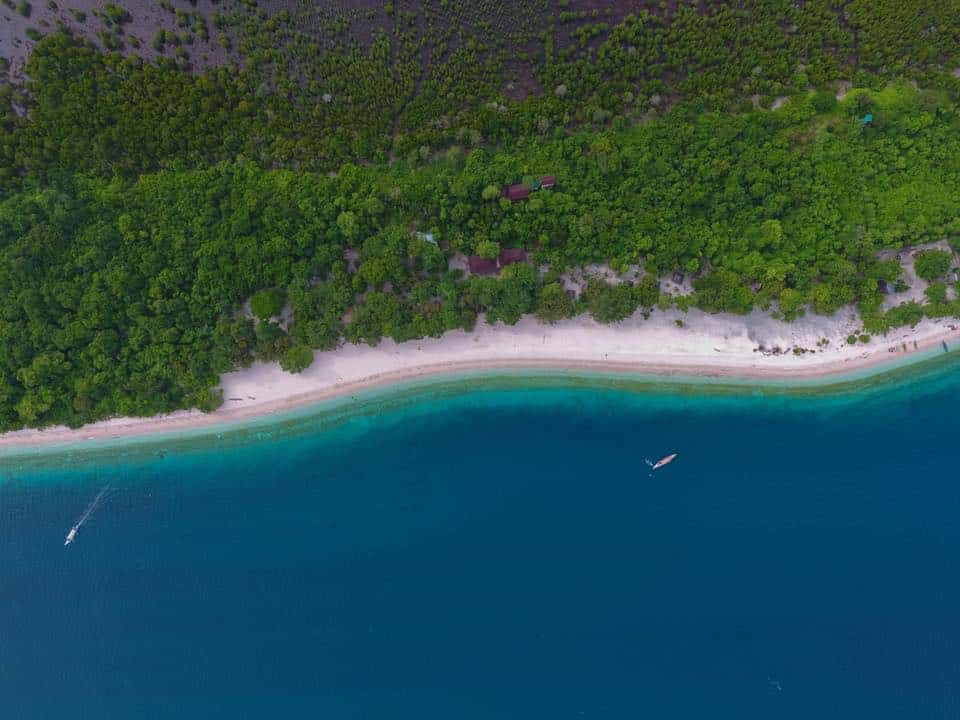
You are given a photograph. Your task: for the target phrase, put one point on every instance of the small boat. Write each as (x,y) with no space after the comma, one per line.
(71,536)
(945,348)
(664,461)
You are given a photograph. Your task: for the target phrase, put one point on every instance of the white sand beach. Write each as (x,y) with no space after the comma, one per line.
(753,347)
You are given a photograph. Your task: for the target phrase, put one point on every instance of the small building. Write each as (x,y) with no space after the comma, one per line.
(677,277)
(517,192)
(547,182)
(428,236)
(511,256)
(482,266)
(885,288)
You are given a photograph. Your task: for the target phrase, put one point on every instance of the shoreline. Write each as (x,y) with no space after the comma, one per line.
(710,347)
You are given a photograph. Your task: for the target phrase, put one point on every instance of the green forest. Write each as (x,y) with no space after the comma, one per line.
(161,225)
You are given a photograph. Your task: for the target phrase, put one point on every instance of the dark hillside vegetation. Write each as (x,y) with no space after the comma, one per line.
(335,165)
(310,87)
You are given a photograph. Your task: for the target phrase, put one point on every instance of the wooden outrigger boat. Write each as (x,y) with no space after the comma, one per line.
(664,461)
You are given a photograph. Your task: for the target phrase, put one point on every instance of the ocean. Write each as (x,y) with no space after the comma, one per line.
(498,548)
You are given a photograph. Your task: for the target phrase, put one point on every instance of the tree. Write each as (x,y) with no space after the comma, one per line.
(374,271)
(648,291)
(379,315)
(771,234)
(233,344)
(272,341)
(373,207)
(791,304)
(297,359)
(723,291)
(347,222)
(317,312)
(490,192)
(488,249)
(207,399)
(512,298)
(610,303)
(823,101)
(268,303)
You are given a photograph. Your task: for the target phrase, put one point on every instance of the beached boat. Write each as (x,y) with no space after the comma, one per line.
(664,461)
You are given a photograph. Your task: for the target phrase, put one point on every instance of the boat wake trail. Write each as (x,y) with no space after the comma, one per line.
(91,509)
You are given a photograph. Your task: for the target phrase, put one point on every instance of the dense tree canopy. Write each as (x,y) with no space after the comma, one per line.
(142,206)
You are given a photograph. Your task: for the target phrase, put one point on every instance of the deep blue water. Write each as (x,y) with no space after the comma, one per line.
(503,554)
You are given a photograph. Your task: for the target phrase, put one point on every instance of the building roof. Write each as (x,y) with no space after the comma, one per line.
(481,266)
(518,192)
(510,256)
(548,181)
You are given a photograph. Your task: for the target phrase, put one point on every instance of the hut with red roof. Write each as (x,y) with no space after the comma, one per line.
(510,256)
(482,266)
(517,192)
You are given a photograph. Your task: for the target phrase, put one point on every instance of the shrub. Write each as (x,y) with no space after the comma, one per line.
(553,304)
(932,264)
(936,293)
(115,15)
(296,359)
(908,313)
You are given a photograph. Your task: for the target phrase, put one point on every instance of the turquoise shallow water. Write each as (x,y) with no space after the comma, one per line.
(498,549)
